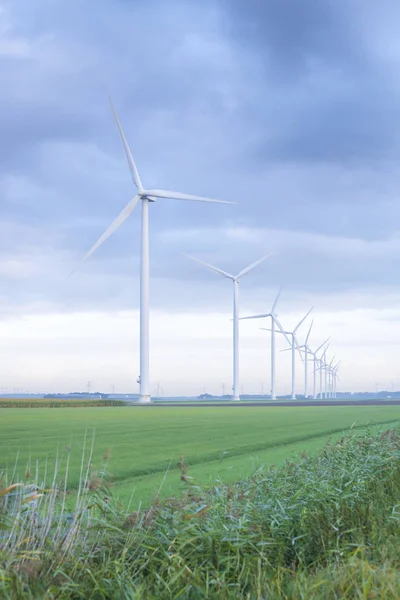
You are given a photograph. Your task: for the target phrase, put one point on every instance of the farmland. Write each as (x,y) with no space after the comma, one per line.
(143,445)
(323,524)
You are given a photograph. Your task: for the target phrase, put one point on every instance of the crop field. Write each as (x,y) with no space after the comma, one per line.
(141,446)
(36,402)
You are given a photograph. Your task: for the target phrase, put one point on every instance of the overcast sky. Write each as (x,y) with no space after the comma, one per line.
(289,108)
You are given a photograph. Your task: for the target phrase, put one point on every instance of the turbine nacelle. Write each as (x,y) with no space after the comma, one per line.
(144,196)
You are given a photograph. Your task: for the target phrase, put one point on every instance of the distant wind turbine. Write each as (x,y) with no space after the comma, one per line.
(294,345)
(235,280)
(307,351)
(145,196)
(323,369)
(274,322)
(330,378)
(316,368)
(335,377)
(327,368)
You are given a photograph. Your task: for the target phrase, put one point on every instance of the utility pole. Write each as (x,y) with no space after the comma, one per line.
(223,389)
(89,385)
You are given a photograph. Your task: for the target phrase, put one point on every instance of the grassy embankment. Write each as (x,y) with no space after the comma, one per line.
(318,528)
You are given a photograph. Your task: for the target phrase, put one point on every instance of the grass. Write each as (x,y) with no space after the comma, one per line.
(321,527)
(145,444)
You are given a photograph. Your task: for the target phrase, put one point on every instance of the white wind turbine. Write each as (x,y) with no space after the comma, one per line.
(235,280)
(145,196)
(307,351)
(329,369)
(274,322)
(294,345)
(335,377)
(326,367)
(316,368)
(322,369)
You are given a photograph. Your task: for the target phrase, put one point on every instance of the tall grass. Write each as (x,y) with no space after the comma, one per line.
(321,527)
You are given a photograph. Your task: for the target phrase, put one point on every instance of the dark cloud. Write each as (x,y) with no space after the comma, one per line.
(289,108)
(344,130)
(289,34)
(334,93)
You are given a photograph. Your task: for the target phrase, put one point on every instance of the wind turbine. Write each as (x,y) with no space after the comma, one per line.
(335,377)
(145,196)
(330,369)
(330,378)
(322,362)
(327,368)
(274,322)
(307,350)
(235,280)
(323,368)
(294,345)
(316,368)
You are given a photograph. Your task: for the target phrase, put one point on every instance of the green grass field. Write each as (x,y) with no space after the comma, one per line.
(145,443)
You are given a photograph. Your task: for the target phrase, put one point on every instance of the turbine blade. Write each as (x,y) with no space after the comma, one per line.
(281,329)
(323,344)
(268,329)
(252,266)
(298,347)
(276,300)
(113,227)
(309,331)
(180,196)
(302,320)
(215,269)
(255,317)
(129,157)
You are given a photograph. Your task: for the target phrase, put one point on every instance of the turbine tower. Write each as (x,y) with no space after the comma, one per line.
(235,280)
(274,322)
(145,196)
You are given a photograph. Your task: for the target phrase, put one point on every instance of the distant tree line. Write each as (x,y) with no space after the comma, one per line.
(72,395)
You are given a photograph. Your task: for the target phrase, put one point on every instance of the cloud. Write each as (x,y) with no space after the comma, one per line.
(289,109)
(327,84)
